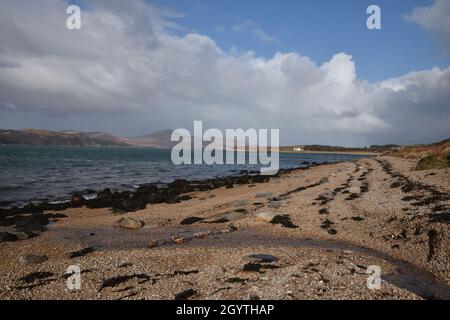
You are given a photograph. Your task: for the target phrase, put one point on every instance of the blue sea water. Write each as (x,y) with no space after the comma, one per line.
(53,173)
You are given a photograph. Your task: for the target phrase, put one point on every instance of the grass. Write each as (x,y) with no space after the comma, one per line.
(432,156)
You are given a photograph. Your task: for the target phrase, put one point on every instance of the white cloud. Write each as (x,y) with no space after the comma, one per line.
(436,19)
(129,72)
(256,31)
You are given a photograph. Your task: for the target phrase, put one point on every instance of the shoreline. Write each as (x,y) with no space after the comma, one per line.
(325,225)
(359,153)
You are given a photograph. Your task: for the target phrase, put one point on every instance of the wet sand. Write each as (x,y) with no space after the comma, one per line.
(332,222)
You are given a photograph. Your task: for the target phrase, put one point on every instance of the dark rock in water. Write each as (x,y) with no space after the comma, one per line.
(147,189)
(106,193)
(180,186)
(191,220)
(261,258)
(81,253)
(32,259)
(284,220)
(186,294)
(131,203)
(6,236)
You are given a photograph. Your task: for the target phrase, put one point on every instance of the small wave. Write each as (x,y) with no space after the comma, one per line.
(10,187)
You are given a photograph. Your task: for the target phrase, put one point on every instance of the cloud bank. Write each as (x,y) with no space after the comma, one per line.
(130,70)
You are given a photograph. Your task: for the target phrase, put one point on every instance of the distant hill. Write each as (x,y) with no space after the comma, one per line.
(160,139)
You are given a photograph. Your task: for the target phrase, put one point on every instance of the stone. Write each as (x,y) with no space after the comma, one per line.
(263,194)
(6,236)
(323,180)
(239,203)
(265,216)
(275,204)
(283,220)
(354,190)
(179,240)
(152,244)
(130,223)
(23,235)
(233,216)
(200,235)
(32,259)
(261,258)
(190,220)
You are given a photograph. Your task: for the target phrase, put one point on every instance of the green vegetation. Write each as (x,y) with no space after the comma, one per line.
(431,162)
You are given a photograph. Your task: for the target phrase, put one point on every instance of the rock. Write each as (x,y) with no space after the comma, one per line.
(275,204)
(323,180)
(284,220)
(32,259)
(263,194)
(233,216)
(81,252)
(130,223)
(261,258)
(186,294)
(239,203)
(355,190)
(179,240)
(24,235)
(152,244)
(200,235)
(265,216)
(6,236)
(190,220)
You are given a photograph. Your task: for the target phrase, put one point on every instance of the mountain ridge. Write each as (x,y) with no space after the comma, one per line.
(159,139)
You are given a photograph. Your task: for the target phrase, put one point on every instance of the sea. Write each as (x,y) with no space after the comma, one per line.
(54,173)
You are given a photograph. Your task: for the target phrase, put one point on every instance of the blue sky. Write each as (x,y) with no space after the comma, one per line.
(319,29)
(139,66)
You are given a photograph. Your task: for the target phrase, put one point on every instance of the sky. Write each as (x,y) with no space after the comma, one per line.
(309,68)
